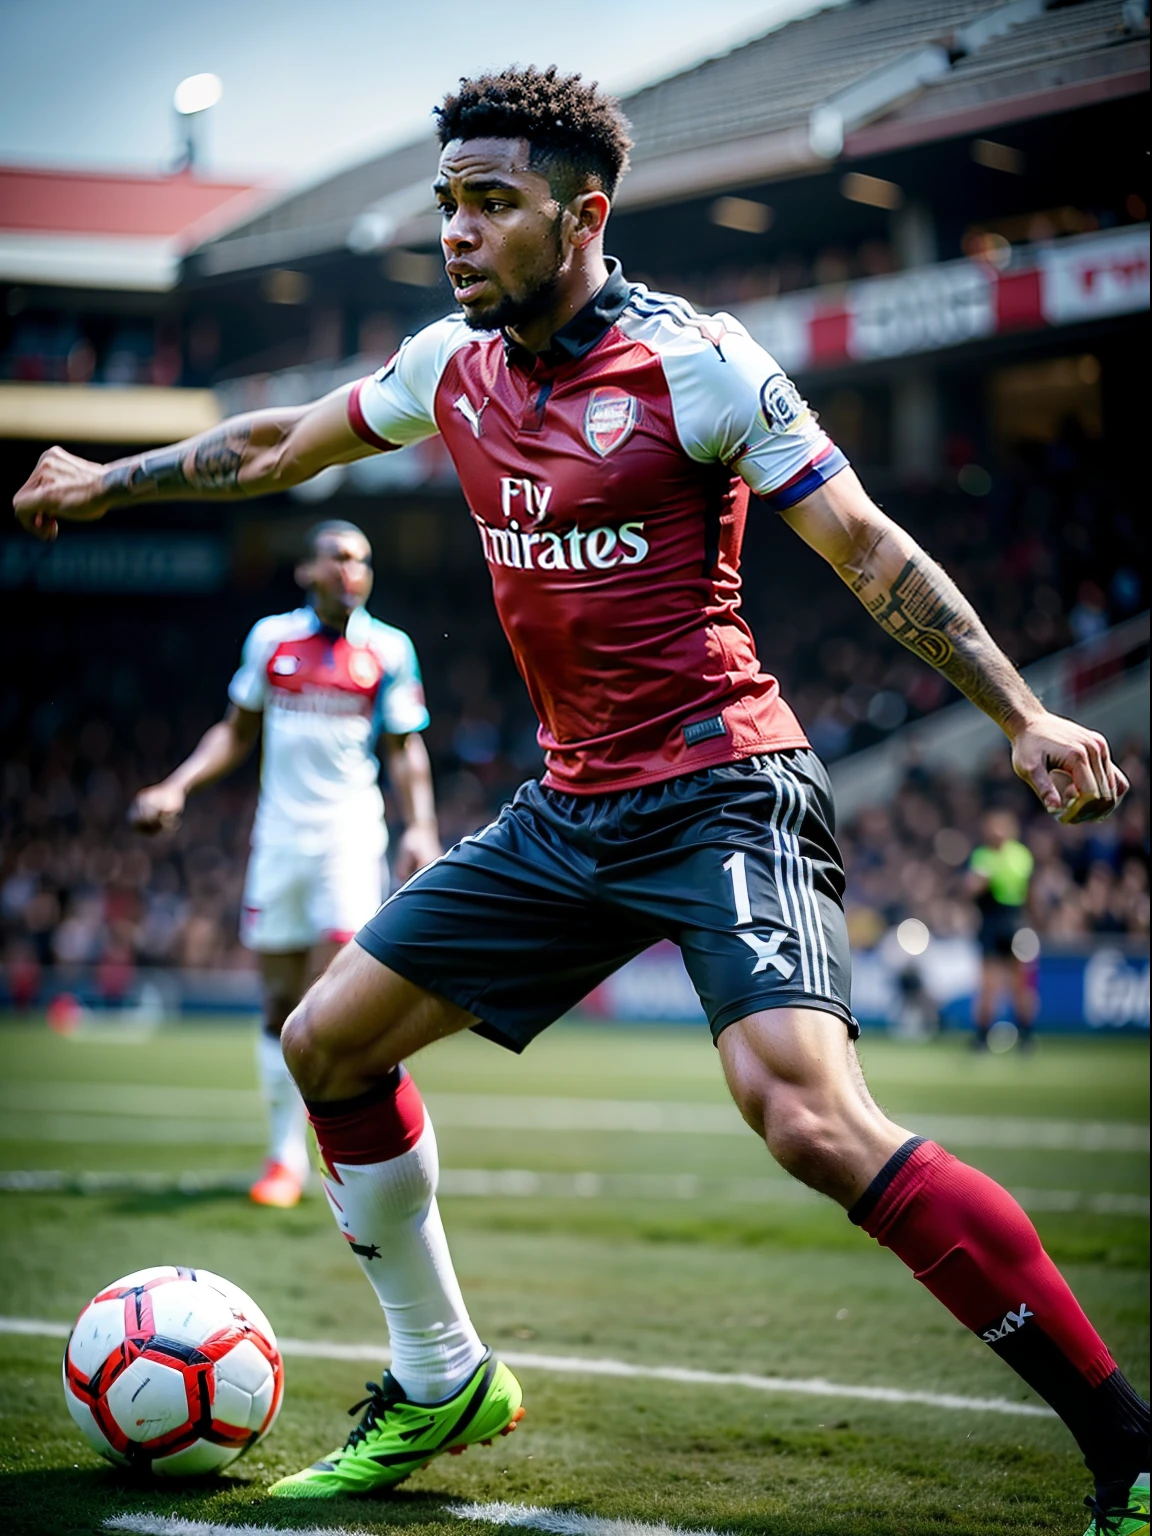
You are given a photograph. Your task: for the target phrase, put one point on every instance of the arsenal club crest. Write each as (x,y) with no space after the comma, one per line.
(363,668)
(610,420)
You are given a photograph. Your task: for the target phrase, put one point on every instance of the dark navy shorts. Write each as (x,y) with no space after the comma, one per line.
(998,928)
(738,865)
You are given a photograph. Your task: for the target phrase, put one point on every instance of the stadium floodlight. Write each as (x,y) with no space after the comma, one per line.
(194,96)
(197,93)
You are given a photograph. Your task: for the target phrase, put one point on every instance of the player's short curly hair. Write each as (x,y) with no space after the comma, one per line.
(311,543)
(576,133)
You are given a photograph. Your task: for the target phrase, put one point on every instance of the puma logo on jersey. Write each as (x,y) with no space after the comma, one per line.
(471,413)
(767,952)
(524,495)
(1011,1322)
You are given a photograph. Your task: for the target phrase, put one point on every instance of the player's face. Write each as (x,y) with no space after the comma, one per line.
(503,235)
(339,576)
(999,827)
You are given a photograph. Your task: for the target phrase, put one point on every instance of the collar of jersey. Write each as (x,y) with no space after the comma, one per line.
(583,331)
(356,632)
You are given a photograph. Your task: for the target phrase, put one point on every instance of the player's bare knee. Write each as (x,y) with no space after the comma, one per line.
(277,1007)
(805,1142)
(301,1040)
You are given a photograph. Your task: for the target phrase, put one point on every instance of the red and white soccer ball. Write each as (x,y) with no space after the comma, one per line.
(173,1371)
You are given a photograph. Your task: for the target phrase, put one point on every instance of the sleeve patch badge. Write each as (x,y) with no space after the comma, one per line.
(610,419)
(781,404)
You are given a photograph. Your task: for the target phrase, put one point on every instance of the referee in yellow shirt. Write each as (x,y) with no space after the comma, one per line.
(1000,872)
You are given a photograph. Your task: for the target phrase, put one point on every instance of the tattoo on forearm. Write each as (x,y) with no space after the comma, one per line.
(210,464)
(918,613)
(924,609)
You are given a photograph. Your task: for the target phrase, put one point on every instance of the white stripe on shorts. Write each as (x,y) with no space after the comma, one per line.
(808,878)
(785,812)
(781,888)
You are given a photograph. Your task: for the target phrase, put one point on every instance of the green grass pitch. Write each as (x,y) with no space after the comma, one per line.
(676,1245)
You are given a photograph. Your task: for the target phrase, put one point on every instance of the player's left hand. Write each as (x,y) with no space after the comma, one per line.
(1070,768)
(417,847)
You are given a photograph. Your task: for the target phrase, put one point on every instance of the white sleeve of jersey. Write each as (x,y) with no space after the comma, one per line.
(733,403)
(400,706)
(248,688)
(396,406)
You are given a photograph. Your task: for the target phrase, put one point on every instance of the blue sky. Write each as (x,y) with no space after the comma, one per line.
(311,86)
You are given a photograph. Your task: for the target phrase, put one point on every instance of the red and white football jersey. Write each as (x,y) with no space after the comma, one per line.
(326,697)
(609,480)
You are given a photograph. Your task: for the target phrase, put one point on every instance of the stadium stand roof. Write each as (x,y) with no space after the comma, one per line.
(847,81)
(93,229)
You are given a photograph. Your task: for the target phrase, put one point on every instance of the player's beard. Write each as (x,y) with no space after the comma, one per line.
(513,310)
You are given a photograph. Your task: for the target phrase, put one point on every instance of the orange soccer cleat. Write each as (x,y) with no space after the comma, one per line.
(277,1186)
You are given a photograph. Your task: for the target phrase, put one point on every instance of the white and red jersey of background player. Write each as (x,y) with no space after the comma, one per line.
(609,480)
(326,697)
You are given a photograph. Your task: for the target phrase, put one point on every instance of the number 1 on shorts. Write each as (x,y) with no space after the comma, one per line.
(735,868)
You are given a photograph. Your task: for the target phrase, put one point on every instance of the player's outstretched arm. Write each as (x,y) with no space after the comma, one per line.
(244,456)
(410,773)
(222,748)
(915,600)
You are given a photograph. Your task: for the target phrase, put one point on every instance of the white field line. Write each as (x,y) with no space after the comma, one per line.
(176,1525)
(579,1365)
(104,1129)
(42,1111)
(563,1522)
(559,1522)
(134,1099)
(524,1183)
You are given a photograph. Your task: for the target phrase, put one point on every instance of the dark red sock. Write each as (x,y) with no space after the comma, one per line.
(383,1123)
(971,1245)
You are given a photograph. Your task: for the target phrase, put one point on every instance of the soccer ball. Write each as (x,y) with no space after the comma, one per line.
(173,1371)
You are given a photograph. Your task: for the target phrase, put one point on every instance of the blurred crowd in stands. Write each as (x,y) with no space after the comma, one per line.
(82,347)
(79,889)
(1050,552)
(48,348)
(910,858)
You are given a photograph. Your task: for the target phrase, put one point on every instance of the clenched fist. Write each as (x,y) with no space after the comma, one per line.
(1070,768)
(157,808)
(61,486)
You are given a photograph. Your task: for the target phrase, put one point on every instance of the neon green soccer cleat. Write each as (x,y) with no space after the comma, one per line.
(395,1437)
(1129,1519)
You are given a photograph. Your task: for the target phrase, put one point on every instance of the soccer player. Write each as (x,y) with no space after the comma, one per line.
(607,439)
(324,683)
(999,874)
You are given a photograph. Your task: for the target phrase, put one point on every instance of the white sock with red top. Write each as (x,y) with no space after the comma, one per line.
(380,1178)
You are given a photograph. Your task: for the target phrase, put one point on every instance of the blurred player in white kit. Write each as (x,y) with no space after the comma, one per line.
(323,683)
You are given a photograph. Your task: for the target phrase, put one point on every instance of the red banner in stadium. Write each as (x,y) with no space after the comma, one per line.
(1086,277)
